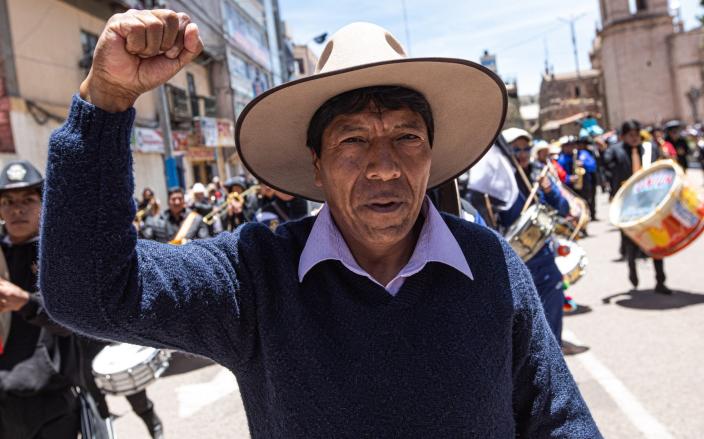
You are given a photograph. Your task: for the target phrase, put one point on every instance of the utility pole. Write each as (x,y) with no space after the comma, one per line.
(571,21)
(405,22)
(172,179)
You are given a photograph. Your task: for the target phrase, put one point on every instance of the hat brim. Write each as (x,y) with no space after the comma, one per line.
(467,100)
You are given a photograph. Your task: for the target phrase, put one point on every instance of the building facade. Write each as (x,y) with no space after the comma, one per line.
(46,49)
(651,68)
(567,98)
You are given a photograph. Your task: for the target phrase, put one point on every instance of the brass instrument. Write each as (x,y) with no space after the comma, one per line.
(209,219)
(579,171)
(139,216)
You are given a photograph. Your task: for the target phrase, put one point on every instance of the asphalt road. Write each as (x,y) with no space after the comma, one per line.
(642,375)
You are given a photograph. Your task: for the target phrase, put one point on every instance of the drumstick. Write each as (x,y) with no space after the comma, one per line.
(492,218)
(534,189)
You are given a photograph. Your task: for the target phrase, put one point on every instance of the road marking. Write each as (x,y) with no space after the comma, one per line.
(194,397)
(627,402)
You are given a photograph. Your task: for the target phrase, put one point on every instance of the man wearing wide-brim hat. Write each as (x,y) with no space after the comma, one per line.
(380,317)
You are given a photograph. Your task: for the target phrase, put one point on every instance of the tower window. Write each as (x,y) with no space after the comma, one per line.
(637,6)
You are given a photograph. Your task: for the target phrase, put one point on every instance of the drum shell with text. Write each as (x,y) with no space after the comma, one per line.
(659,210)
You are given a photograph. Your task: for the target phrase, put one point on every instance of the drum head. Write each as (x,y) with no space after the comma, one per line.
(643,194)
(120,357)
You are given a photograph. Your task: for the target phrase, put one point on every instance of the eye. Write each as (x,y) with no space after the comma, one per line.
(409,137)
(354,140)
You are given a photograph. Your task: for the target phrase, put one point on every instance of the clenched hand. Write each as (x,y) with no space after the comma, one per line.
(137,52)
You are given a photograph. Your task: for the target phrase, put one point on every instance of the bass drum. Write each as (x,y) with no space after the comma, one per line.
(571,260)
(659,210)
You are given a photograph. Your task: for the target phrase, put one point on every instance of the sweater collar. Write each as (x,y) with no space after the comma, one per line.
(435,244)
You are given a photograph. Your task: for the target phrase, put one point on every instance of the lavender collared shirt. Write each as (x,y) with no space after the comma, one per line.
(435,244)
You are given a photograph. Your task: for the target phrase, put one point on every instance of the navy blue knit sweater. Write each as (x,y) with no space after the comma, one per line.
(333,356)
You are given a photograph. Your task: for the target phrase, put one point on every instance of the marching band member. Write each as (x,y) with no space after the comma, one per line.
(623,160)
(177,218)
(673,136)
(546,275)
(581,168)
(334,324)
(37,364)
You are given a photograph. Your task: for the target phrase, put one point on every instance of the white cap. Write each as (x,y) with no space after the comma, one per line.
(511,134)
(198,188)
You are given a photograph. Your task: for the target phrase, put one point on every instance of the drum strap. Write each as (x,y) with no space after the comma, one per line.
(647,154)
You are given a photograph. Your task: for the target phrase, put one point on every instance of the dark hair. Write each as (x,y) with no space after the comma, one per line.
(175,190)
(385,97)
(630,125)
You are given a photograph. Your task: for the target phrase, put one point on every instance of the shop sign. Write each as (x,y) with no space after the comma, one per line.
(226,132)
(181,141)
(201,153)
(147,140)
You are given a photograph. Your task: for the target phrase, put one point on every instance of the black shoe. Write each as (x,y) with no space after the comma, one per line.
(662,289)
(620,259)
(153,423)
(633,277)
(572,349)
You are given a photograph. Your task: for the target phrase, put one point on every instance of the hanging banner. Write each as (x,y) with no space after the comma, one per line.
(181,141)
(226,132)
(201,153)
(147,141)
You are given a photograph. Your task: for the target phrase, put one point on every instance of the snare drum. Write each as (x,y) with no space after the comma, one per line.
(571,260)
(659,210)
(124,369)
(530,232)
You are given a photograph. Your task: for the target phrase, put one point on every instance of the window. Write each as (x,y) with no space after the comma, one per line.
(191,83)
(301,68)
(636,6)
(88,43)
(577,91)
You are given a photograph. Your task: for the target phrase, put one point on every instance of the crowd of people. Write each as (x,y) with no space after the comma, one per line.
(335,323)
(206,211)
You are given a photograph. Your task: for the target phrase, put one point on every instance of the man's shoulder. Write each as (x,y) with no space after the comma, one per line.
(289,233)
(474,238)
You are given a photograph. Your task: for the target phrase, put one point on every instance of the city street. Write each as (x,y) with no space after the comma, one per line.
(641,376)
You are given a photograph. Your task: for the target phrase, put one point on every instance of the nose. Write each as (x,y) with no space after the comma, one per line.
(382,162)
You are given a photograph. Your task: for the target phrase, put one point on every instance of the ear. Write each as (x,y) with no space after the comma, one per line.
(316,166)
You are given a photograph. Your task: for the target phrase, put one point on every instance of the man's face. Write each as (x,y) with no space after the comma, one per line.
(674,133)
(374,169)
(176,203)
(632,138)
(521,149)
(542,155)
(20,209)
(568,148)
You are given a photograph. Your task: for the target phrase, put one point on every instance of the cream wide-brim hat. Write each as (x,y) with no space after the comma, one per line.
(468,103)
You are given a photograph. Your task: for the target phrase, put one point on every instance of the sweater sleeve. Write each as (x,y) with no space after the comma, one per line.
(546,400)
(98,279)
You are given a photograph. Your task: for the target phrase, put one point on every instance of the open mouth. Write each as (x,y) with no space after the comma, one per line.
(387,207)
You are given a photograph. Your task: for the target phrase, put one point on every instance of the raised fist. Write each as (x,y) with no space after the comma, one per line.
(137,52)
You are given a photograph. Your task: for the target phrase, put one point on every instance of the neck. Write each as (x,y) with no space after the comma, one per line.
(384,262)
(17,240)
(176,213)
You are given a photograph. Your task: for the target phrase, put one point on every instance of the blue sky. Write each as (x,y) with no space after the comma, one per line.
(516,30)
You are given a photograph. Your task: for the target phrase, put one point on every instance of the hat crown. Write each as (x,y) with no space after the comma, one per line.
(357,44)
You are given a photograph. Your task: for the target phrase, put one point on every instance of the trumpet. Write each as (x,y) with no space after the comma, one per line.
(139,216)
(209,219)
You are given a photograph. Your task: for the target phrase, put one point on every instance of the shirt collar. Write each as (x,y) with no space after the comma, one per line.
(435,244)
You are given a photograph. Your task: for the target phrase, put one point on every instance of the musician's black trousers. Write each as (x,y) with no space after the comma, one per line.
(632,250)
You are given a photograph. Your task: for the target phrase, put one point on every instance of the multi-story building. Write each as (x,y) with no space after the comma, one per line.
(651,68)
(46,48)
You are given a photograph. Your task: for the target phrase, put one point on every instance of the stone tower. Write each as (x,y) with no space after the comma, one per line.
(635,60)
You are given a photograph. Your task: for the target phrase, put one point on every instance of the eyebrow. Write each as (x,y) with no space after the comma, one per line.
(349,128)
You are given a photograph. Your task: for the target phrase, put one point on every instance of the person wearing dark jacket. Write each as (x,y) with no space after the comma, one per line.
(546,275)
(37,399)
(673,135)
(623,159)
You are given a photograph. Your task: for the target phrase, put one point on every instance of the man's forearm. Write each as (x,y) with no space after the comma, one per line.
(87,238)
